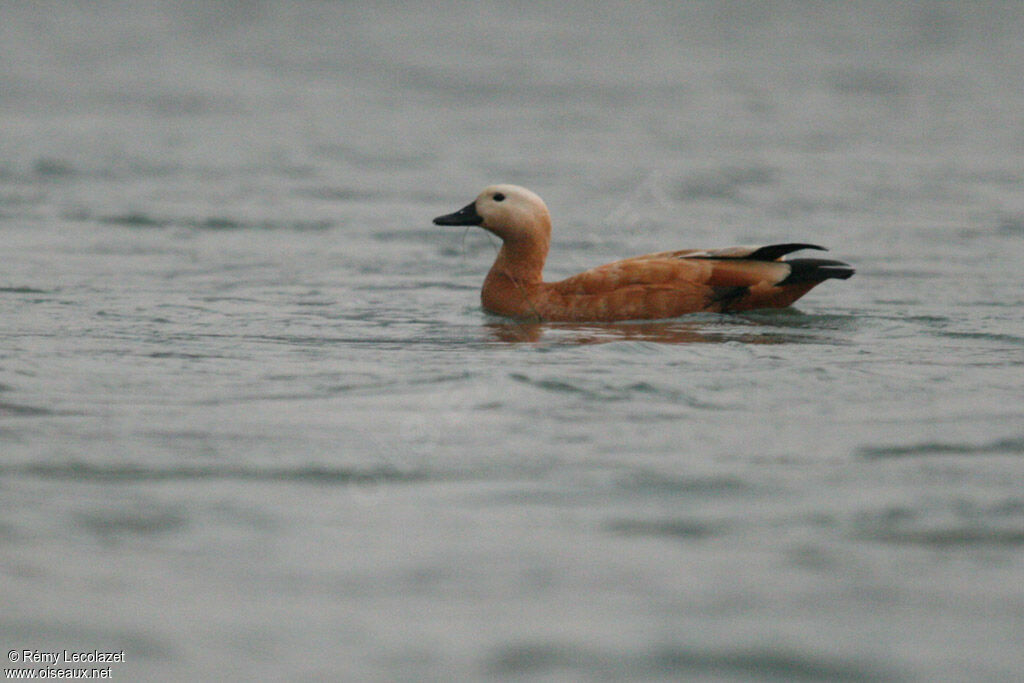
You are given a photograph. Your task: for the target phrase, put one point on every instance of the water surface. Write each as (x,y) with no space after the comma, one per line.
(254,423)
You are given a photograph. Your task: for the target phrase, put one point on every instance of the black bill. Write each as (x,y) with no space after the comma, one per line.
(467,215)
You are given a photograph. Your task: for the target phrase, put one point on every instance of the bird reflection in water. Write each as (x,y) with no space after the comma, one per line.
(661,332)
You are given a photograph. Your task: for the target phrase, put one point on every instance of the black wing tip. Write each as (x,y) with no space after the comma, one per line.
(774,252)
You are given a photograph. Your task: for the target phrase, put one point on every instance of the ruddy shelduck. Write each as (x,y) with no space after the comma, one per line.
(665,284)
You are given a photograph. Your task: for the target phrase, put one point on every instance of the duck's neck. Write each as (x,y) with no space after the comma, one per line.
(515,274)
(521,260)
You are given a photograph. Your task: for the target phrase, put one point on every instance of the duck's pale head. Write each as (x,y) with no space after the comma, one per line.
(511,212)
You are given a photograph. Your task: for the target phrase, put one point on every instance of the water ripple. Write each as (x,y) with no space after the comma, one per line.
(135,473)
(534,659)
(1005,446)
(673,528)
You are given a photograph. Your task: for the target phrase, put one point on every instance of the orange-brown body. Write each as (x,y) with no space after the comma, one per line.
(660,285)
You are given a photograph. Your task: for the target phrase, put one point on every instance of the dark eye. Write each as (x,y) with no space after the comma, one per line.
(499,197)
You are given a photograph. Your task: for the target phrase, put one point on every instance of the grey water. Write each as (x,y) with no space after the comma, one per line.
(255,425)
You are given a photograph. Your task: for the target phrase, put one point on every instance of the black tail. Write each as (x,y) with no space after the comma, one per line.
(816,270)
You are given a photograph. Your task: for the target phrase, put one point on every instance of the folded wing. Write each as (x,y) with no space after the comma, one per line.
(671,283)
